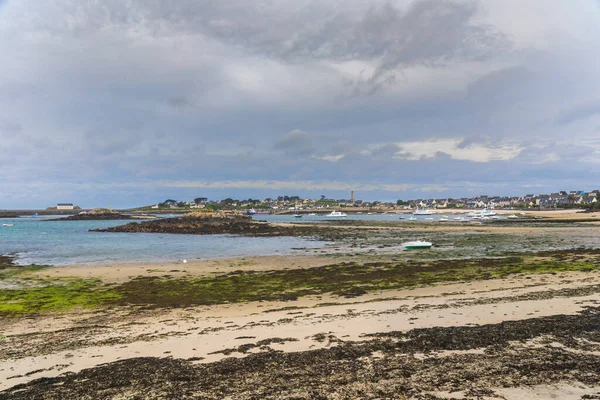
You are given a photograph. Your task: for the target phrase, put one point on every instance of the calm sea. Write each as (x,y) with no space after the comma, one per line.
(38,241)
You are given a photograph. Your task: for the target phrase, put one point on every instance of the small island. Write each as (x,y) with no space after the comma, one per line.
(202,223)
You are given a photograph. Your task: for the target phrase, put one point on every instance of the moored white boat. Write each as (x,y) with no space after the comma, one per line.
(417,244)
(337,214)
(8,224)
(481,213)
(422,211)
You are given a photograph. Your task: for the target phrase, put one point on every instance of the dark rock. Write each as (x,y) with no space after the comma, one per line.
(213,225)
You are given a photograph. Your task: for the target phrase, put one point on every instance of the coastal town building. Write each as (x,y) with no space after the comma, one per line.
(64,206)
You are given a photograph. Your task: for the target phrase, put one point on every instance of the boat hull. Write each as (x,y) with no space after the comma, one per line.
(416,247)
(419,244)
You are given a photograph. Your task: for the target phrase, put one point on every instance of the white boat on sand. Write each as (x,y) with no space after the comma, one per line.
(417,244)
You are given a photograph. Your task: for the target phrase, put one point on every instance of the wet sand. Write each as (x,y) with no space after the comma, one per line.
(523,336)
(51,345)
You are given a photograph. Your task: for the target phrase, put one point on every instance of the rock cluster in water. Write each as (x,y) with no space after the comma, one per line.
(213,224)
(8,214)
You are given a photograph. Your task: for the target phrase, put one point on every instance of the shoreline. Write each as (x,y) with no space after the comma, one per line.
(360,320)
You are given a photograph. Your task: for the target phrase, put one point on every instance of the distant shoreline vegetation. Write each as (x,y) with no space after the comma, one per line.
(578,199)
(559,200)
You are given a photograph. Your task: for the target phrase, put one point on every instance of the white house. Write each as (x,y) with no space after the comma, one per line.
(64,206)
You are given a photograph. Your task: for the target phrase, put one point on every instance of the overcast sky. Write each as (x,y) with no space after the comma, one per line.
(129,102)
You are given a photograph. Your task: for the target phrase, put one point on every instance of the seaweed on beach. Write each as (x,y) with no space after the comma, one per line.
(345,279)
(422,364)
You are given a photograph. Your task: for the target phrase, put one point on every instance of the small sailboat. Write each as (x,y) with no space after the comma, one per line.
(297,215)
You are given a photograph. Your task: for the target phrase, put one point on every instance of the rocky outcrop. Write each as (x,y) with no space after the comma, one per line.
(6,262)
(197,226)
(215,225)
(8,214)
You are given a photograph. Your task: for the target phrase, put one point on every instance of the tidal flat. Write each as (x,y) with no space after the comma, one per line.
(491,311)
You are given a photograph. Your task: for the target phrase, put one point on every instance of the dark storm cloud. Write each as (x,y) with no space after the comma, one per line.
(426,32)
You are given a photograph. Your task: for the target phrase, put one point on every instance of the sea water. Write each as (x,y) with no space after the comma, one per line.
(36,240)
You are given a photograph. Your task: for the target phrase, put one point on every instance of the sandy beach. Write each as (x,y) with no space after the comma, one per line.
(507,327)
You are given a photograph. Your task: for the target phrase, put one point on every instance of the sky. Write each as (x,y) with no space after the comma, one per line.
(130,102)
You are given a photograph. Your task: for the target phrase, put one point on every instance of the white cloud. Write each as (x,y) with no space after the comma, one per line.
(330,158)
(473,152)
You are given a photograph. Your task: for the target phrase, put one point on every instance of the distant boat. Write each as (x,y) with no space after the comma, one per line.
(443,219)
(251,211)
(512,216)
(8,224)
(34,214)
(337,214)
(297,215)
(428,219)
(417,244)
(481,213)
(312,214)
(412,219)
(422,211)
